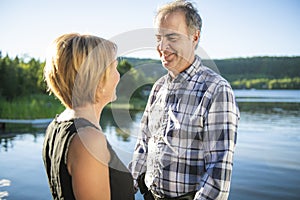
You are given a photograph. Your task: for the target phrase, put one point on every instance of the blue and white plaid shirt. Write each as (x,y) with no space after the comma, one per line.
(188,135)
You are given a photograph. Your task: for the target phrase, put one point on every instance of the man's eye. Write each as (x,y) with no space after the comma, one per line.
(173,39)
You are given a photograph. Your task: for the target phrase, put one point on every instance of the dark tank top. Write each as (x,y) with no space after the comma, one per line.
(57,139)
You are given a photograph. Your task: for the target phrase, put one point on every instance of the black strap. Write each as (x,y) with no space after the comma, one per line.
(81,123)
(143,188)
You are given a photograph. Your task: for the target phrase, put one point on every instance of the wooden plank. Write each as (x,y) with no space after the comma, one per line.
(25,121)
(39,123)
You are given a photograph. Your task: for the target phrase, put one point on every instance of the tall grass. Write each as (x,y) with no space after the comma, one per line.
(44,106)
(30,107)
(266,83)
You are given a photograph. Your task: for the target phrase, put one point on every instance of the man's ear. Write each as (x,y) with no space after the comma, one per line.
(196,36)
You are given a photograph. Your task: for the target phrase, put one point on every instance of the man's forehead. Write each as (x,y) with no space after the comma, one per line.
(167,32)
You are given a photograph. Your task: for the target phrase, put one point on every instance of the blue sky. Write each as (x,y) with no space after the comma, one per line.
(232,28)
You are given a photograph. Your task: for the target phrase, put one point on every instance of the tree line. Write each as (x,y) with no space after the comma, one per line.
(261,72)
(259,67)
(20,77)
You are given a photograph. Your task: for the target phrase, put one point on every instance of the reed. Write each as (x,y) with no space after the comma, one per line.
(30,107)
(38,106)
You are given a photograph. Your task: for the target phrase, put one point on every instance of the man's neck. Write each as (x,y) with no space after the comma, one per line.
(175,73)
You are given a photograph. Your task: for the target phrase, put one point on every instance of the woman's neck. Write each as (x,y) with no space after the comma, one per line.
(90,112)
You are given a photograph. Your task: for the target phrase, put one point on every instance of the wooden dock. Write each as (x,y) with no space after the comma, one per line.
(38,123)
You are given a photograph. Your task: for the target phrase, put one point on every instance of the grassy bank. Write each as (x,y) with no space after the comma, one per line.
(268,107)
(266,83)
(45,106)
(30,107)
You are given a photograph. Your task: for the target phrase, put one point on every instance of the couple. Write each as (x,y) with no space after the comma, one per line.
(188,131)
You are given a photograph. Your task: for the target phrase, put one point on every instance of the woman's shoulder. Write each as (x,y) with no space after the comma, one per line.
(90,142)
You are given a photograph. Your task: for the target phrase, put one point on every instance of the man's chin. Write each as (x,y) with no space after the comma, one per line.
(168,64)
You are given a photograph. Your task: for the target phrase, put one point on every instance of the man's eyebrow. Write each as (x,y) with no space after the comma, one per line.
(172,34)
(168,35)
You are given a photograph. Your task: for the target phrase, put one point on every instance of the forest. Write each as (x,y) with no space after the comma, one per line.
(261,72)
(21,77)
(23,92)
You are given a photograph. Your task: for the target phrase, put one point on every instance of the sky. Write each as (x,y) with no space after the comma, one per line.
(231,28)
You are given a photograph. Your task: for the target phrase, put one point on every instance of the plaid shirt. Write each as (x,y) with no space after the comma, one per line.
(188,135)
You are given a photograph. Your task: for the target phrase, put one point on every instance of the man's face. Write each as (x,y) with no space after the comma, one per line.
(175,45)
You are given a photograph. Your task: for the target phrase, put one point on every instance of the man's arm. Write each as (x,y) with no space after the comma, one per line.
(138,164)
(219,139)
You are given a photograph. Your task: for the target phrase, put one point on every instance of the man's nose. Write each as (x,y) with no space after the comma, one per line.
(163,45)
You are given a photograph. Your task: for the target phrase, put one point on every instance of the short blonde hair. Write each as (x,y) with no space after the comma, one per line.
(76,66)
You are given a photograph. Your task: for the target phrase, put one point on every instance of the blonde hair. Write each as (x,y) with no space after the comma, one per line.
(77,66)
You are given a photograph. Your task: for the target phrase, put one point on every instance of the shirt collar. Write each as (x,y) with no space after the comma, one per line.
(188,73)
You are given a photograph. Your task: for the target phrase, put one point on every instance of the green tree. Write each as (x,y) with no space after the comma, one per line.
(123,67)
(8,78)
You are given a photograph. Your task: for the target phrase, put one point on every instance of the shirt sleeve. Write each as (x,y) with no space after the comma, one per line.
(219,140)
(138,164)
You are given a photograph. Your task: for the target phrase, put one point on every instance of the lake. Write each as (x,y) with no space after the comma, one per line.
(266,163)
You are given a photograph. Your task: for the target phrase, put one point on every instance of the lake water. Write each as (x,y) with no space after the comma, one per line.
(266,165)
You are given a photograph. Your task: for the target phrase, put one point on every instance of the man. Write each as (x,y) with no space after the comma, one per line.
(189,127)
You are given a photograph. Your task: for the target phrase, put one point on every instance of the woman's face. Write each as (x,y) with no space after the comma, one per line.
(112,80)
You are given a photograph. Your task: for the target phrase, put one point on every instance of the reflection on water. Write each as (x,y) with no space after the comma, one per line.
(126,125)
(6,143)
(266,159)
(7,139)
(268,96)
(21,166)
(4,183)
(266,166)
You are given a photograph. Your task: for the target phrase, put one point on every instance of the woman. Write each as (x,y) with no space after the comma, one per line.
(80,163)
